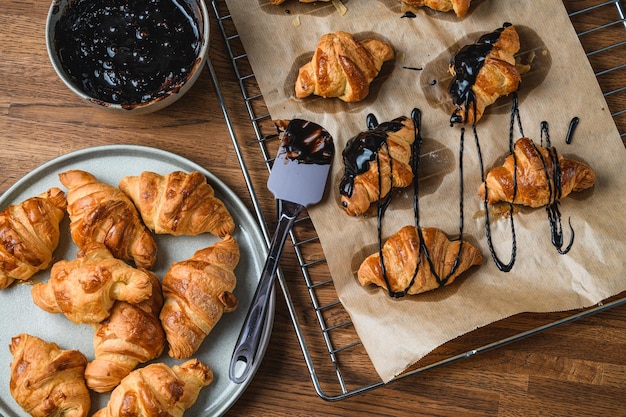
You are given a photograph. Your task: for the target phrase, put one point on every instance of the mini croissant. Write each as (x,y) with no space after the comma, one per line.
(483,72)
(277,2)
(460,7)
(197,291)
(158,390)
(46,380)
(536,182)
(131,335)
(101,213)
(400,253)
(85,289)
(366,158)
(342,67)
(178,203)
(29,234)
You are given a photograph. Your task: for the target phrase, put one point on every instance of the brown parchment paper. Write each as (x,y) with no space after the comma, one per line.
(398,332)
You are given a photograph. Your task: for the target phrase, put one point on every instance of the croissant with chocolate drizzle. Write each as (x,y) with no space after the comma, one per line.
(376,161)
(483,72)
(530,176)
(417,260)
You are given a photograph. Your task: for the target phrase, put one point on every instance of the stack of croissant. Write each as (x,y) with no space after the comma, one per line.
(133,314)
(375,162)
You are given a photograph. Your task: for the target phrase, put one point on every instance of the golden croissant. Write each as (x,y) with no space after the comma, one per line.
(460,7)
(131,335)
(158,390)
(401,253)
(197,291)
(85,289)
(46,380)
(367,163)
(178,203)
(277,2)
(100,212)
(536,179)
(483,72)
(342,67)
(29,234)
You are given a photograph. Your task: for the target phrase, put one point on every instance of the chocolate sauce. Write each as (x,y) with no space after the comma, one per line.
(382,204)
(570,130)
(128,52)
(307,143)
(553,174)
(502,266)
(467,63)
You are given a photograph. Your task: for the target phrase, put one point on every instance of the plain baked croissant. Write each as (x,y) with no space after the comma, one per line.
(131,335)
(47,380)
(158,390)
(460,7)
(178,203)
(400,254)
(535,167)
(29,234)
(85,289)
(483,72)
(342,67)
(277,2)
(197,291)
(100,212)
(366,159)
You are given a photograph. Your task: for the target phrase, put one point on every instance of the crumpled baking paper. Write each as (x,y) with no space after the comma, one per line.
(560,86)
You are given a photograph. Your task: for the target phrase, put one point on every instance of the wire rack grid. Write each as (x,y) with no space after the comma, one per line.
(332,347)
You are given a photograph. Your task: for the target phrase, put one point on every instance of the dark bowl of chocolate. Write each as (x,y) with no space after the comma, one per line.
(129,56)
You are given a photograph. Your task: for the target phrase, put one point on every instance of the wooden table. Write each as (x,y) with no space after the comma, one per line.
(574,369)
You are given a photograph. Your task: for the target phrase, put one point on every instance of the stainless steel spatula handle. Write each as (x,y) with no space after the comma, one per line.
(247,345)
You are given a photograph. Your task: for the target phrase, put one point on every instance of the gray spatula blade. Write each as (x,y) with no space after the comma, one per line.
(302,164)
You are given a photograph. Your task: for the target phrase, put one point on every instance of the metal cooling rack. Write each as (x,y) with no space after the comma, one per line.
(332,349)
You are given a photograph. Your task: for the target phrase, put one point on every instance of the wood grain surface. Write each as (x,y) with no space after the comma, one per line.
(577,369)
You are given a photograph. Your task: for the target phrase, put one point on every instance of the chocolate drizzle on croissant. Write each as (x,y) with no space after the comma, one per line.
(376,161)
(483,72)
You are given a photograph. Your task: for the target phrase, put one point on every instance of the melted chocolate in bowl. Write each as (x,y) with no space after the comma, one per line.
(128,52)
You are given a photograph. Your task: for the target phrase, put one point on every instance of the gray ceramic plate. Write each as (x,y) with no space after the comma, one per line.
(109,164)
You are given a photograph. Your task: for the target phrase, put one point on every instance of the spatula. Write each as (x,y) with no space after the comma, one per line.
(297,180)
